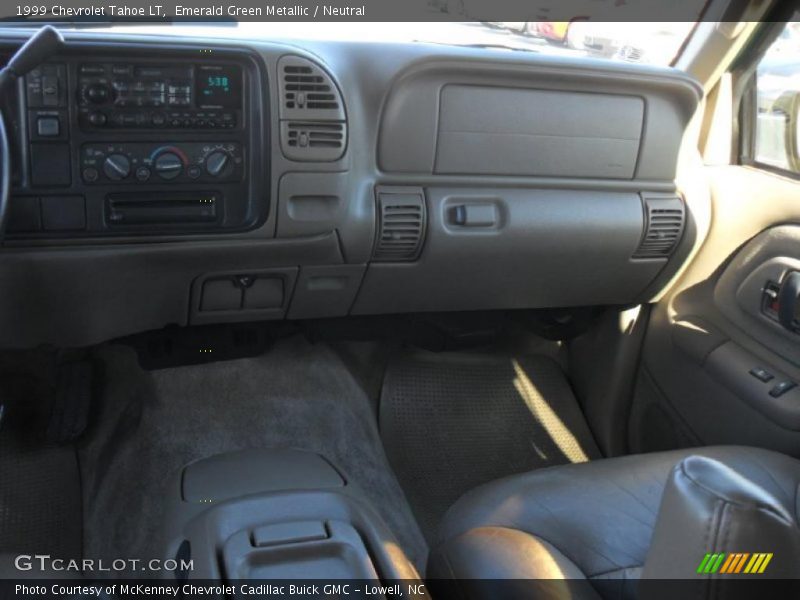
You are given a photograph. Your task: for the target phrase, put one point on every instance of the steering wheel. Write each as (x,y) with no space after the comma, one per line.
(5,175)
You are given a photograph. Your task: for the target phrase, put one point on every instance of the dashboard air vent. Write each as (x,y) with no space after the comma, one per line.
(313,141)
(401,225)
(664,223)
(307,91)
(306,88)
(312,114)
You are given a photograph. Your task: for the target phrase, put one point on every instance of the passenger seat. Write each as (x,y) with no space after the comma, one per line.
(605,523)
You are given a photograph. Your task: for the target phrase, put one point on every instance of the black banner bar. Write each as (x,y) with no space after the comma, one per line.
(352,10)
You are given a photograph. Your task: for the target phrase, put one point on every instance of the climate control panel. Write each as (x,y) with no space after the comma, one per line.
(142,163)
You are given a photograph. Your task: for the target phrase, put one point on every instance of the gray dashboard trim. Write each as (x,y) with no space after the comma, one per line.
(79,297)
(80,292)
(547,248)
(410,117)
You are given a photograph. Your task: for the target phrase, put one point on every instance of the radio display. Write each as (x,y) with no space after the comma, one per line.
(218,86)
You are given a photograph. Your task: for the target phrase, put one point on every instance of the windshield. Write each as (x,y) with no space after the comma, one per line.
(641,42)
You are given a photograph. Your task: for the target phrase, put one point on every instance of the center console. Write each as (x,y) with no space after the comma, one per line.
(279,514)
(126,141)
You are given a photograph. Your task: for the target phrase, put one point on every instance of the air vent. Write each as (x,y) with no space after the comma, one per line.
(307,91)
(313,123)
(313,141)
(305,87)
(315,135)
(401,227)
(664,222)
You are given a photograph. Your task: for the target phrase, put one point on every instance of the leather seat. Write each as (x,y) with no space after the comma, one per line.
(606,523)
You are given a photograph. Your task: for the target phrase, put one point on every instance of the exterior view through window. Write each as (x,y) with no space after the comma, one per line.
(639,42)
(778,102)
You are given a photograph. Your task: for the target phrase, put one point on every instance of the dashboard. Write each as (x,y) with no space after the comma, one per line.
(166,181)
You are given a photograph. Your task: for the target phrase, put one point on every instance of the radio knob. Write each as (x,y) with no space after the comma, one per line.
(168,165)
(98,93)
(116,166)
(97,118)
(216,162)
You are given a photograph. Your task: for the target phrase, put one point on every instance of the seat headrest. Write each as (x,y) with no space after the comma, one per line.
(714,528)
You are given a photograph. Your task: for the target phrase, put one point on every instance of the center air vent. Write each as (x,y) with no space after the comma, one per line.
(322,141)
(306,87)
(401,225)
(313,122)
(664,222)
(307,91)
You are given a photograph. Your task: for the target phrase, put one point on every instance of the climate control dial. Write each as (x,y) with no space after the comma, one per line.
(218,163)
(116,166)
(148,163)
(168,165)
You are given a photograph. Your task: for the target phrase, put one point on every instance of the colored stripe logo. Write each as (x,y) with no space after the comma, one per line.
(733,563)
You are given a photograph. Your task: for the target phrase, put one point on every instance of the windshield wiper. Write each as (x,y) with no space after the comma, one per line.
(482,46)
(501,47)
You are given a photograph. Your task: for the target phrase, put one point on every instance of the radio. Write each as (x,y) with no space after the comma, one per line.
(142,141)
(187,162)
(129,96)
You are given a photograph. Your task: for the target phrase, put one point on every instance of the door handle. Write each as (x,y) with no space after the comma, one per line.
(788,300)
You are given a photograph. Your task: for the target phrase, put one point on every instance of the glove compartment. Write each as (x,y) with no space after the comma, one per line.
(516,248)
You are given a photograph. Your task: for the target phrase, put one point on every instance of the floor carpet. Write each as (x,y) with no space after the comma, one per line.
(152,423)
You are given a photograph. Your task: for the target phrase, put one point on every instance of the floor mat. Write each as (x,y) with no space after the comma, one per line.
(452,422)
(152,423)
(40,497)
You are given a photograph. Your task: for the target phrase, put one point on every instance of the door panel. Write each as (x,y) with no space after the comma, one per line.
(709,332)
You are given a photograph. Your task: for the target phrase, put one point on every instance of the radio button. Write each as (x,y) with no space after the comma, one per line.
(98,93)
(97,119)
(90,174)
(142,173)
(48,126)
(93,69)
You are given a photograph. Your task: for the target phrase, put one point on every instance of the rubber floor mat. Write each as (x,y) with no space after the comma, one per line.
(452,422)
(40,497)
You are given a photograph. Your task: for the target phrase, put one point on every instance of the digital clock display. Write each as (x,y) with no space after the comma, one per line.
(219,86)
(220,82)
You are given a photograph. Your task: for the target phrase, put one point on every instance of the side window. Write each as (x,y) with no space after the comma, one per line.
(777,103)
